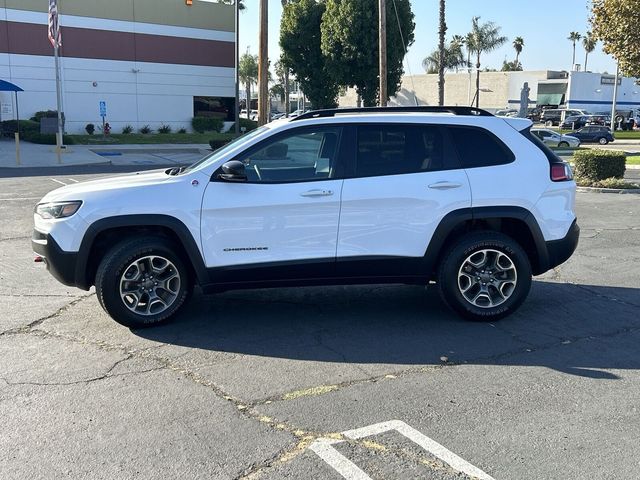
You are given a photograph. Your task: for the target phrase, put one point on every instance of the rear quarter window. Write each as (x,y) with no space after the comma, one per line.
(551,156)
(478,147)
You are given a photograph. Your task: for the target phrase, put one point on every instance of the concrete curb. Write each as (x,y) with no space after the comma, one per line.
(607,190)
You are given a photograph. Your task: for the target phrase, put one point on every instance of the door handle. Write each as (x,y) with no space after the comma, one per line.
(317,193)
(445,185)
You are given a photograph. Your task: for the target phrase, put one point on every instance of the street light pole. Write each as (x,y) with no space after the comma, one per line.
(382,37)
(236,112)
(263,66)
(615,97)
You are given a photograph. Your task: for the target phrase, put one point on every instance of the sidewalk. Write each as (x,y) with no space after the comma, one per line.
(32,155)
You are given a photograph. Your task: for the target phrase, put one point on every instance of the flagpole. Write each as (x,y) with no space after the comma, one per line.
(59,137)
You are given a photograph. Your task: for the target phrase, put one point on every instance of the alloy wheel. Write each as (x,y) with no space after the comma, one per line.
(487,278)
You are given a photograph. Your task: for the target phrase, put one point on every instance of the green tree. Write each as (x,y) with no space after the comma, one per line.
(350,43)
(248,74)
(518,45)
(573,38)
(615,23)
(514,66)
(442,53)
(589,44)
(301,51)
(483,38)
(453,57)
(282,72)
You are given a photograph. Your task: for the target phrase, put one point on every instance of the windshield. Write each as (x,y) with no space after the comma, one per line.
(227,148)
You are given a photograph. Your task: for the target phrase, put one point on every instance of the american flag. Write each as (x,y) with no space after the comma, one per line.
(55,37)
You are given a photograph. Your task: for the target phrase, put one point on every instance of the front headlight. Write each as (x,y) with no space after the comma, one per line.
(57,209)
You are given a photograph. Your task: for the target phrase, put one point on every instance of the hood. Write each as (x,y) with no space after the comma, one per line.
(78,191)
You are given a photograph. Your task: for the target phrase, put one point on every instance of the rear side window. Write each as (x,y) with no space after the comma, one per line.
(399,149)
(479,148)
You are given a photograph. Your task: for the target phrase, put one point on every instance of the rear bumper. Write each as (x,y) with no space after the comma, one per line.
(559,251)
(62,265)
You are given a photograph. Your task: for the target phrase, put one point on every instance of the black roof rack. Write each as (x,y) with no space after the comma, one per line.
(457,110)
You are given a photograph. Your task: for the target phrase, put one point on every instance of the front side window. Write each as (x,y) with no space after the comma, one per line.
(399,149)
(298,156)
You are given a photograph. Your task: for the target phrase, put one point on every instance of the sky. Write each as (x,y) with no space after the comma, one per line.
(543,24)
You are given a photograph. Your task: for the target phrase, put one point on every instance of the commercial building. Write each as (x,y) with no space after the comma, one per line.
(152,62)
(498,90)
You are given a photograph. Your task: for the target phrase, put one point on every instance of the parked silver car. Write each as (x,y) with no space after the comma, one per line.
(554,139)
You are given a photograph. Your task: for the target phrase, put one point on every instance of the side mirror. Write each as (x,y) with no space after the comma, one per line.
(233,171)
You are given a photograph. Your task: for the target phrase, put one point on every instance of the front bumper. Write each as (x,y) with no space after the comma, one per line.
(62,265)
(559,251)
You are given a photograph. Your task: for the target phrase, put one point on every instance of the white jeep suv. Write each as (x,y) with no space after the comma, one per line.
(346,196)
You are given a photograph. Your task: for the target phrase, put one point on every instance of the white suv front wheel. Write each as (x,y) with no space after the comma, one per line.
(142,282)
(485,276)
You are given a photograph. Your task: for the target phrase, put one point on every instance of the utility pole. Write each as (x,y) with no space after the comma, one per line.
(263,66)
(615,98)
(382,26)
(236,112)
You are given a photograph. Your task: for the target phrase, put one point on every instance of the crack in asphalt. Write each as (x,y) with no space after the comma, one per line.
(250,410)
(6,239)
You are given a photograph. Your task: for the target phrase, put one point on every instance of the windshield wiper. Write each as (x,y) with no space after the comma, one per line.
(175,170)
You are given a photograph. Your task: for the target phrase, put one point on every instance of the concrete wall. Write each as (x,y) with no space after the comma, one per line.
(498,89)
(155,92)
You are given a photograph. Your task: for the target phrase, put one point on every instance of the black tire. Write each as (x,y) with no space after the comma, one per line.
(453,261)
(112,269)
(548,123)
(563,145)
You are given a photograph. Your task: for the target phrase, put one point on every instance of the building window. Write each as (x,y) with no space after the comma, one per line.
(219,107)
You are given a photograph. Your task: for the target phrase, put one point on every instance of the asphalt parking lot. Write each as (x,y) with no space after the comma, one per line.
(378,382)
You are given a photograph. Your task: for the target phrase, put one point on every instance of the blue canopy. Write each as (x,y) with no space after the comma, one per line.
(9,87)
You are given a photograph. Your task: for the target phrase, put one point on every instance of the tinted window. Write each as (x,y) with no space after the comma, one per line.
(301,155)
(398,149)
(479,148)
(551,156)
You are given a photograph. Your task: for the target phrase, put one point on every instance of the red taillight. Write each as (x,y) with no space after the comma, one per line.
(561,172)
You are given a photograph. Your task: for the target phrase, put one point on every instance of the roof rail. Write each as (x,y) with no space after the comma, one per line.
(457,110)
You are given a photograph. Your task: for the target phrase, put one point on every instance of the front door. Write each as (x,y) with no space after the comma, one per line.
(287,210)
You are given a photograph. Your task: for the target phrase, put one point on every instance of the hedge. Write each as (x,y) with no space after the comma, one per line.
(207,124)
(246,123)
(8,127)
(219,143)
(599,164)
(47,138)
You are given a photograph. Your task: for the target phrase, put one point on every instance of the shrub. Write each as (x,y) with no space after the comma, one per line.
(182,131)
(9,127)
(616,183)
(48,139)
(164,129)
(598,165)
(46,114)
(207,124)
(90,128)
(245,123)
(127,129)
(146,130)
(218,143)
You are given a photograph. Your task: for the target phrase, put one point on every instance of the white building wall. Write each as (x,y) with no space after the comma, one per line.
(588,91)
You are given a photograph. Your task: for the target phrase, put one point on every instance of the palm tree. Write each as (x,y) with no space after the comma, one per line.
(282,72)
(484,38)
(573,38)
(453,58)
(589,44)
(442,53)
(518,44)
(248,74)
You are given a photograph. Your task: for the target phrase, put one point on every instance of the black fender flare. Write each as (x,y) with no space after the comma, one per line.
(181,231)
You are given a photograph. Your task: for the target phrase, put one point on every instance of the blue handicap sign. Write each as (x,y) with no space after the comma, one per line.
(103,109)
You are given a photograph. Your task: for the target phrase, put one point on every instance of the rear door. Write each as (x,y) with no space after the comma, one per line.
(404,179)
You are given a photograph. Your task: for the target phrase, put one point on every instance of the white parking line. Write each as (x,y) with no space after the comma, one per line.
(73,180)
(57,181)
(324,449)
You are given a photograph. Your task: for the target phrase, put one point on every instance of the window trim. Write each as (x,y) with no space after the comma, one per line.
(340,149)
